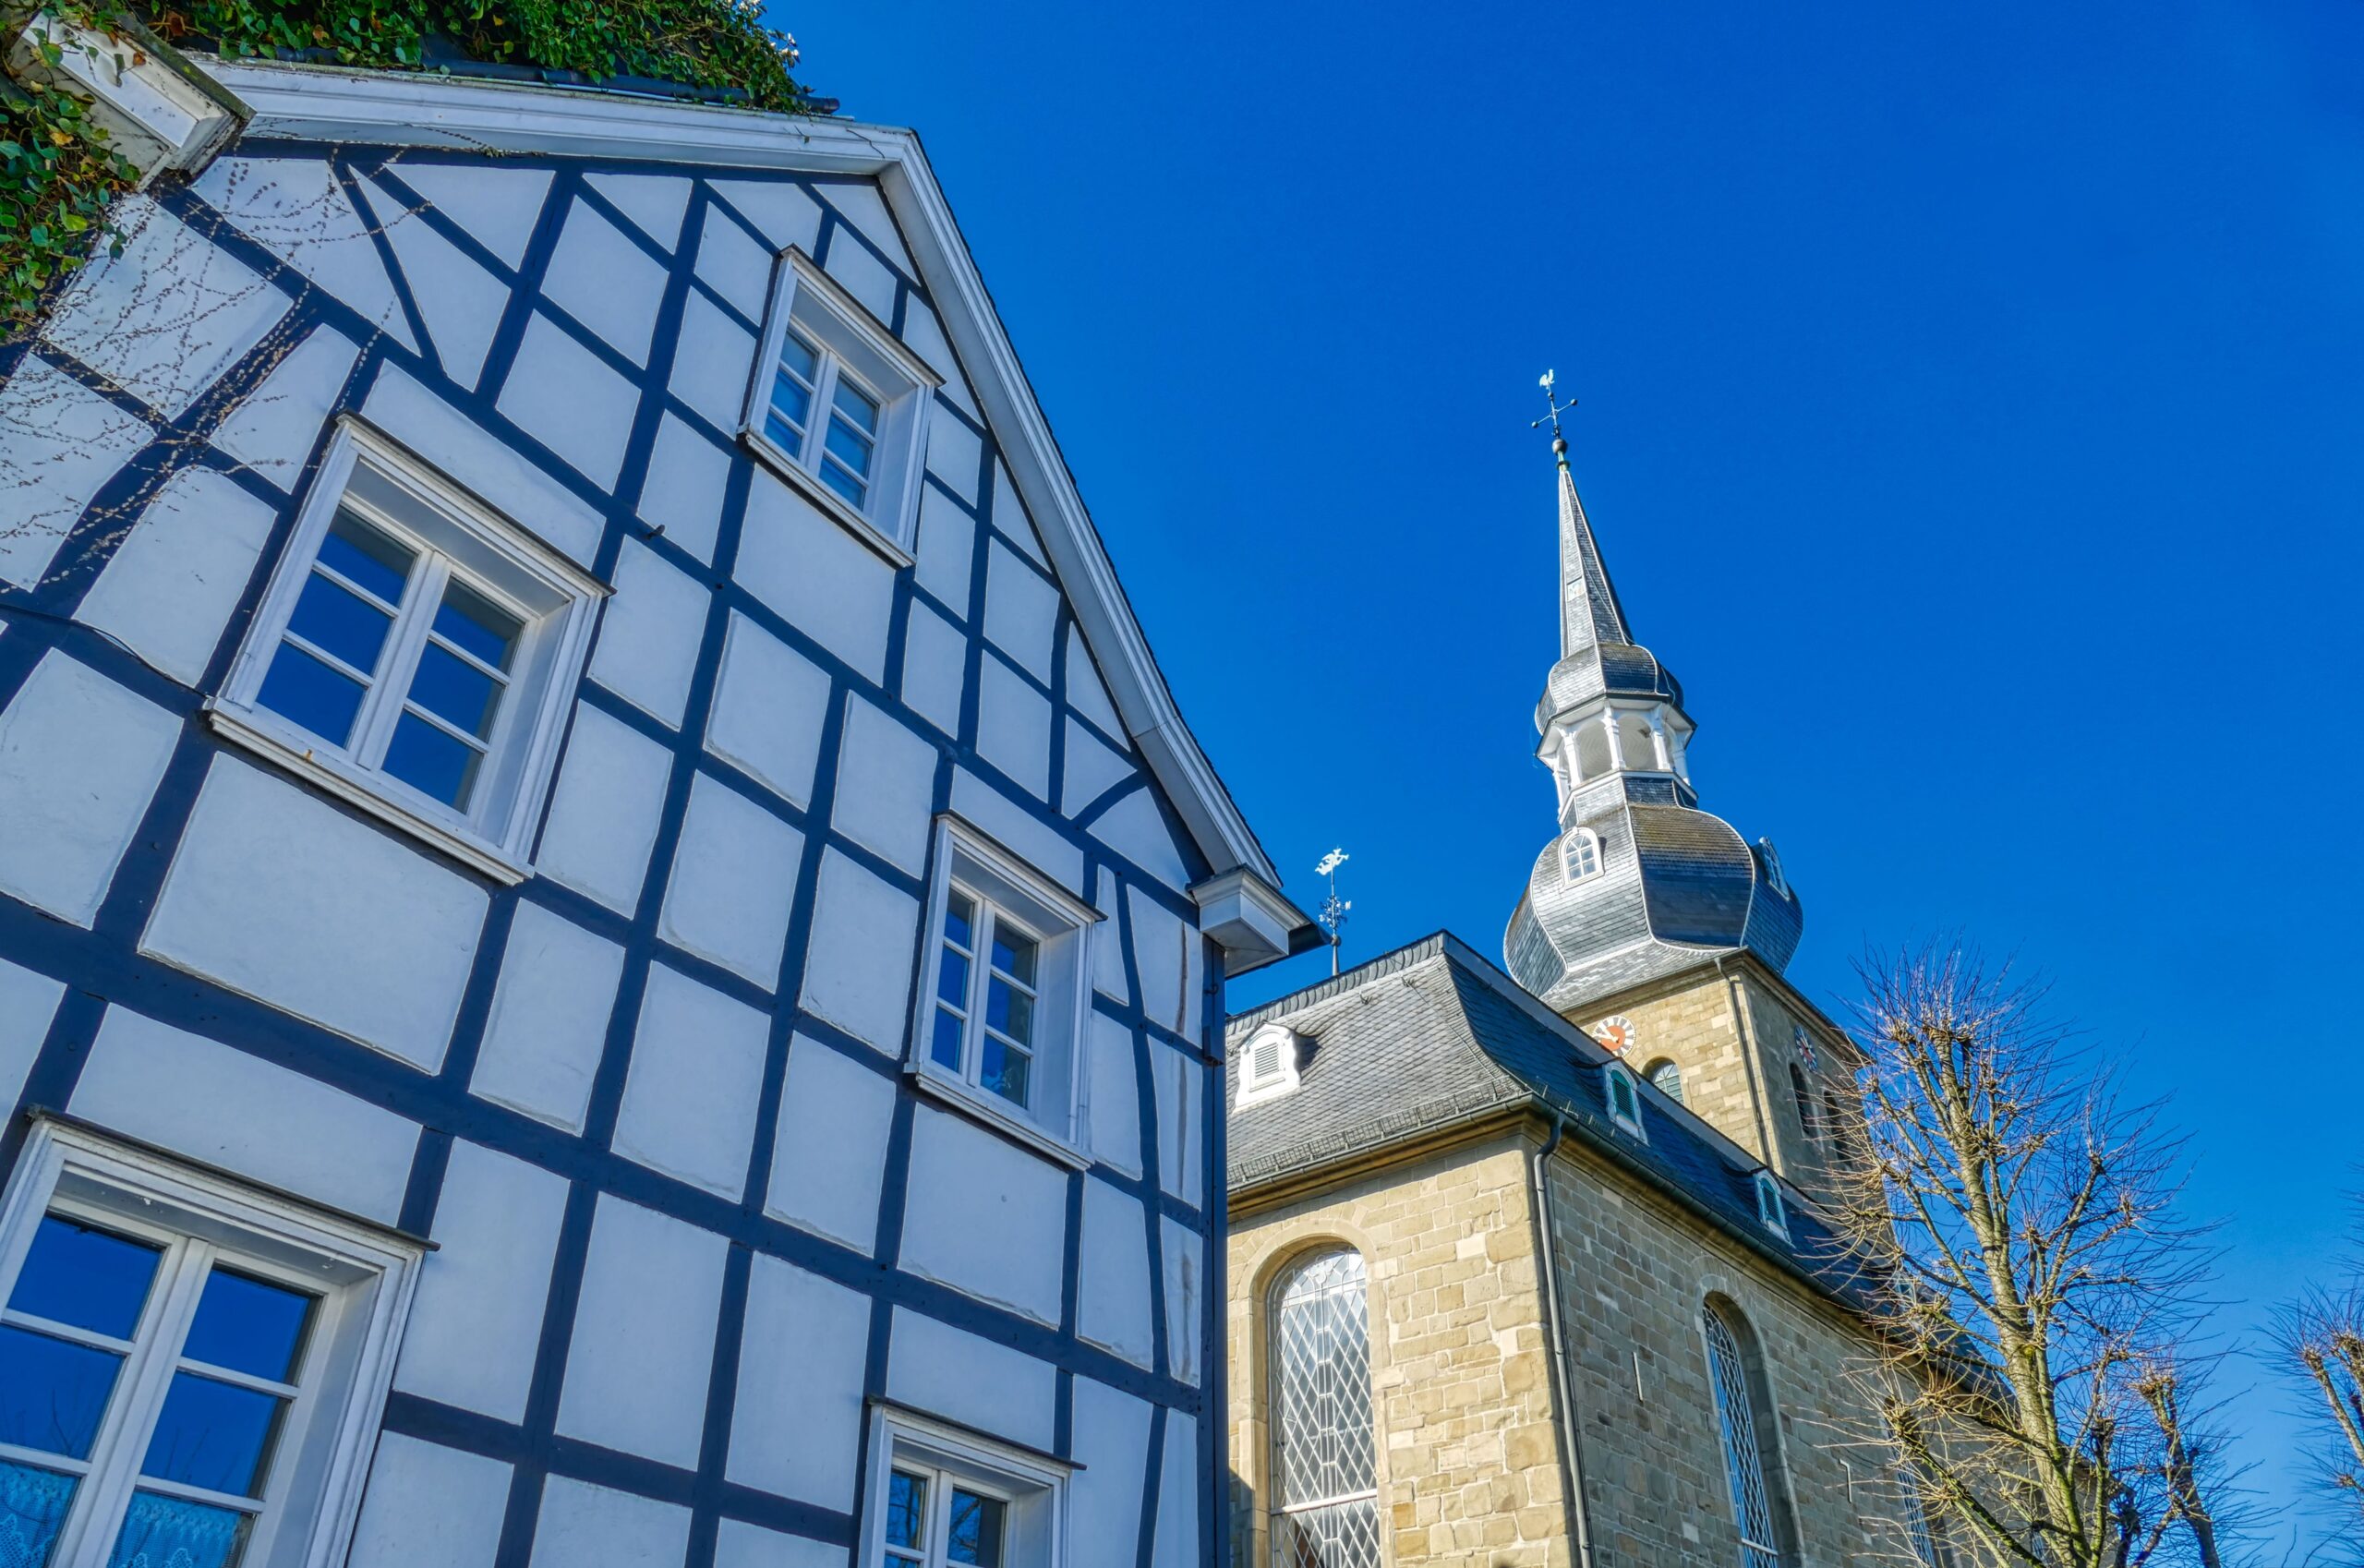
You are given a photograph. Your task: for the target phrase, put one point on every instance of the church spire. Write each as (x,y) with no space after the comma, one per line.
(1589,613)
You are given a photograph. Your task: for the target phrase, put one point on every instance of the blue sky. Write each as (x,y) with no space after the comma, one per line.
(1971,416)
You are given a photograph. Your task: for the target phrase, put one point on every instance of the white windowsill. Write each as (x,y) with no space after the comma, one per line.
(962,1095)
(831,505)
(358,789)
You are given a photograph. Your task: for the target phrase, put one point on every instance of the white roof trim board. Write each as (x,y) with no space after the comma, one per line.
(321,103)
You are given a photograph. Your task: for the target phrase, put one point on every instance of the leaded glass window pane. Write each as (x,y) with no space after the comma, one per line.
(1324,1477)
(1744,1461)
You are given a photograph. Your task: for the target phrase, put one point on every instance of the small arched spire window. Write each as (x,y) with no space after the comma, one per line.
(1325,1487)
(1804,1097)
(1580,854)
(1739,1421)
(1666,1076)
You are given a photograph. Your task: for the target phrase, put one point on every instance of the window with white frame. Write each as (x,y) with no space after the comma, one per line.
(1624,1100)
(947,1498)
(1003,1007)
(416,655)
(1770,1211)
(1267,1063)
(1580,854)
(1666,1076)
(190,1372)
(841,406)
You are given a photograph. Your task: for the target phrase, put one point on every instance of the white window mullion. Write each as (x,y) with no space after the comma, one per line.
(382,710)
(981,977)
(817,429)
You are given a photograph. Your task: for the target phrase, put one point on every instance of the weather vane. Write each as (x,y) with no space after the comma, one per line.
(1333,909)
(1551,398)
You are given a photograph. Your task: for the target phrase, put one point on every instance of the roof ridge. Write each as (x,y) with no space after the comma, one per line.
(1323,990)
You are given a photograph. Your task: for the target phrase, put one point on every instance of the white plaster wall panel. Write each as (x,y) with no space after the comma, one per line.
(733,881)
(1112,1450)
(583,1526)
(781,209)
(488,467)
(461,303)
(935,664)
(923,335)
(1014,727)
(985,1217)
(864,277)
(649,634)
(429,1504)
(294,208)
(1186,1278)
(549,1016)
(830,1153)
(654,203)
(79,759)
(860,205)
(280,896)
(606,283)
(1011,517)
(683,492)
(170,586)
(1112,1295)
(59,443)
(1017,827)
(1115,1086)
(796,1424)
(1160,955)
(945,551)
(979,1382)
(1092,769)
(1021,610)
(1177,1496)
(857,965)
(954,453)
(711,363)
(28,1003)
(1085,693)
(272,431)
(1108,954)
(817,575)
(886,786)
(642,1351)
(770,703)
(222,1107)
(604,812)
(733,265)
(561,393)
(1181,1122)
(697,1076)
(477,1324)
(497,206)
(1136,829)
(740,1545)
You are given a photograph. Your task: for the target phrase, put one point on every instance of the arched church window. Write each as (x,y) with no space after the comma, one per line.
(1666,1078)
(1325,1487)
(1740,1421)
(1592,750)
(1638,742)
(1804,1097)
(1580,853)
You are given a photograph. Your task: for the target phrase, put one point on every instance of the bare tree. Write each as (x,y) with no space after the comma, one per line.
(2032,1288)
(2319,1337)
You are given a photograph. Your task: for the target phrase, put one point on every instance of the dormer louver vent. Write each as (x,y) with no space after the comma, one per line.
(1267,1063)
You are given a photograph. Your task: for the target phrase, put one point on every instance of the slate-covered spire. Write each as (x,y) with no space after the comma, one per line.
(1589,613)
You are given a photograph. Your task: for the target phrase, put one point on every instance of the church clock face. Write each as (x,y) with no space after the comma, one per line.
(1617,1033)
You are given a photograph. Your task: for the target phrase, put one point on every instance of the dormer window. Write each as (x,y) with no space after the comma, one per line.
(1624,1100)
(1773,877)
(842,410)
(1770,1211)
(1267,1063)
(1580,854)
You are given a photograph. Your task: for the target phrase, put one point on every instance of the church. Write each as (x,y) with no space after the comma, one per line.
(1526,1267)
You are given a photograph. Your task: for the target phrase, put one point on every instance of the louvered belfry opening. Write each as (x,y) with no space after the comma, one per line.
(1325,1492)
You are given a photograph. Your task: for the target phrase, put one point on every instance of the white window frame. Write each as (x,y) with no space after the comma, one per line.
(855,345)
(1618,1076)
(557,601)
(1268,1063)
(1034,1486)
(365,1276)
(1772,1209)
(1064,925)
(1586,839)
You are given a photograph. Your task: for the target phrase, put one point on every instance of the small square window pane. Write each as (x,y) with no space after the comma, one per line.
(91,1279)
(1005,1070)
(848,448)
(301,688)
(166,1532)
(1014,953)
(1009,1010)
(433,761)
(213,1435)
(952,979)
(976,1530)
(451,689)
(906,1510)
(960,919)
(845,484)
(53,1393)
(474,624)
(33,1505)
(248,1326)
(857,406)
(337,620)
(799,358)
(947,1048)
(366,556)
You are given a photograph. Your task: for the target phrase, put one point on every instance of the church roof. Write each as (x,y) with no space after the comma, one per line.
(1432,1036)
